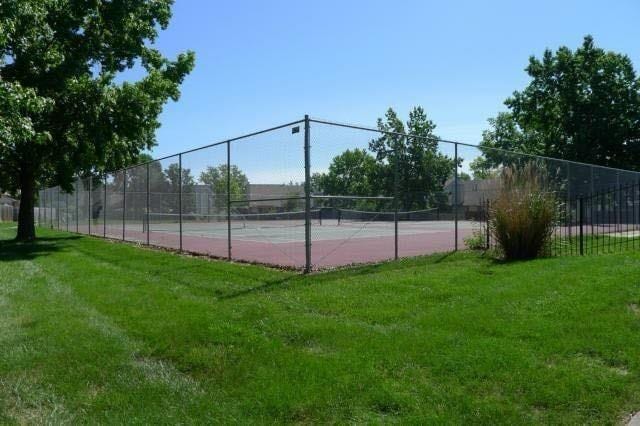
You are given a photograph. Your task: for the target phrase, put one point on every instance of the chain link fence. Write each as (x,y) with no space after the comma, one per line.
(314,194)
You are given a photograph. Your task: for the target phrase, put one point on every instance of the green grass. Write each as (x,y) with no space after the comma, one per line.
(95,331)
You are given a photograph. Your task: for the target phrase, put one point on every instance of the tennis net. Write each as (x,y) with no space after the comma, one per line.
(350,216)
(171,221)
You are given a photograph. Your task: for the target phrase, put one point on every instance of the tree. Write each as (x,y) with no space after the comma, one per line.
(462,176)
(17,105)
(351,173)
(67,114)
(422,169)
(216,178)
(184,179)
(580,105)
(482,168)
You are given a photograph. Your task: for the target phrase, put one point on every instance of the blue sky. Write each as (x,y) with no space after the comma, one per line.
(261,63)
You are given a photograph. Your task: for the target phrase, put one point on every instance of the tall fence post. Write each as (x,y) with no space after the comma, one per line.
(568,204)
(581,219)
(104,207)
(455,197)
(180,196)
(124,201)
(395,201)
(66,209)
(89,203)
(44,204)
(58,209)
(229,200)
(619,202)
(77,206)
(486,223)
(148,202)
(307,194)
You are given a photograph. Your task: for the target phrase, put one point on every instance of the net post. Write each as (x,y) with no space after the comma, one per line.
(581,218)
(89,203)
(180,196)
(124,201)
(148,201)
(104,208)
(395,202)
(307,195)
(455,196)
(229,200)
(58,209)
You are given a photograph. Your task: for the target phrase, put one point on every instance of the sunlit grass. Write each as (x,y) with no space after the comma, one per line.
(96,331)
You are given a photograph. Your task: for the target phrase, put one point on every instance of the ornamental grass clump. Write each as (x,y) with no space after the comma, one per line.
(522,217)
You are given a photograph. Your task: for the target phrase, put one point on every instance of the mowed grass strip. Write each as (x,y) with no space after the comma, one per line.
(96,331)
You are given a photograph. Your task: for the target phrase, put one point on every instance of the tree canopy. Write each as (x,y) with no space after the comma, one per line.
(64,112)
(422,169)
(581,105)
(353,172)
(216,178)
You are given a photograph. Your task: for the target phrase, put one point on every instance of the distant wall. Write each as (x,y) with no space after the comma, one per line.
(6,213)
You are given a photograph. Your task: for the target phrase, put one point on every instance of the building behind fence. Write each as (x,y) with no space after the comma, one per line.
(255,198)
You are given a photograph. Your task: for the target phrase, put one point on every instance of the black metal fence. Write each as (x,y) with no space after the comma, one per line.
(296,196)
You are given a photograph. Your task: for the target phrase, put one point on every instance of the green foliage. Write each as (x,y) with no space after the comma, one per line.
(421,169)
(186,180)
(462,176)
(216,177)
(353,172)
(522,216)
(477,240)
(580,105)
(68,113)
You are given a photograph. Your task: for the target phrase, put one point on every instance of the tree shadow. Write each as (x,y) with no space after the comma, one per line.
(265,287)
(348,272)
(11,250)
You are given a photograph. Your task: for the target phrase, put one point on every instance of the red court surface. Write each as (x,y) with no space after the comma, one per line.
(325,253)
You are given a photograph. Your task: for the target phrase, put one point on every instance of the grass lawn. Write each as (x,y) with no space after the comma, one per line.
(94,331)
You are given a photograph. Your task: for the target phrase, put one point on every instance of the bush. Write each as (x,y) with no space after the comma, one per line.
(476,241)
(522,217)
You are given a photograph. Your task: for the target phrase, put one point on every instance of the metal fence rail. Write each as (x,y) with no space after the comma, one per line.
(260,198)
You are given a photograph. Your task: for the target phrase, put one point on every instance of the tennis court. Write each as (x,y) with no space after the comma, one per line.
(339,237)
(296,195)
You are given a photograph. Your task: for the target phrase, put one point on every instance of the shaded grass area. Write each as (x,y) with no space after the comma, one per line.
(96,331)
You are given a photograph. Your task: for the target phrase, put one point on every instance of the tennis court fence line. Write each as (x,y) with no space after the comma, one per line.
(314,194)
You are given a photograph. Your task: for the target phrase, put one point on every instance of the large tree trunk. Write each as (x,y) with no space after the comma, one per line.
(26,226)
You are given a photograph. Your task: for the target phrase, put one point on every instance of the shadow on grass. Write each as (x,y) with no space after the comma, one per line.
(348,272)
(11,250)
(265,287)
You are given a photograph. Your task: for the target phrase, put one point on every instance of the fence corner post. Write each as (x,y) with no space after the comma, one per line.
(89,206)
(229,200)
(124,203)
(307,194)
(180,196)
(104,207)
(148,201)
(396,183)
(455,196)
